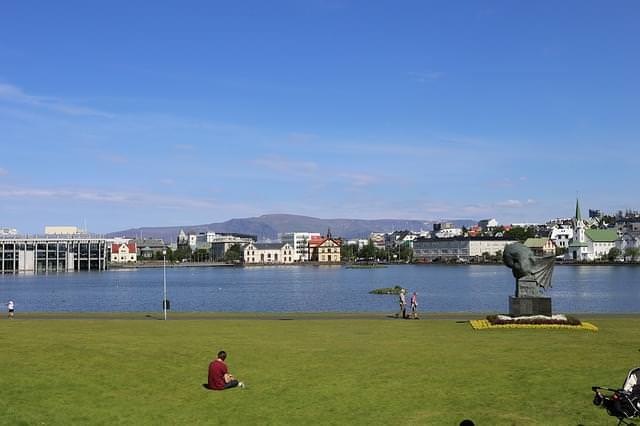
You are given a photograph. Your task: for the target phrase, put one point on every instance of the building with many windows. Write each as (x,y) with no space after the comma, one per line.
(458,248)
(268,253)
(53,253)
(325,250)
(300,243)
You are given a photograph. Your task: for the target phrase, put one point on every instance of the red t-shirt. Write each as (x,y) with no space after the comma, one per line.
(217,370)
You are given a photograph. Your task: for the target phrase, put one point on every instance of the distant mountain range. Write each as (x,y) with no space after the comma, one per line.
(271,226)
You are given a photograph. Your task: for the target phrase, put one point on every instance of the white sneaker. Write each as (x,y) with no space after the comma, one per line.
(241,385)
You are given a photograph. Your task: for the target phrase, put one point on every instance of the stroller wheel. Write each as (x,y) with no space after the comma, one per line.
(597,399)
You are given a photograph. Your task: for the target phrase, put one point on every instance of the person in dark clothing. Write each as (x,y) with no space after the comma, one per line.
(219,377)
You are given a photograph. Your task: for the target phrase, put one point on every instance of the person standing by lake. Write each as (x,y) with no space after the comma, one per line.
(414,305)
(10,309)
(403,304)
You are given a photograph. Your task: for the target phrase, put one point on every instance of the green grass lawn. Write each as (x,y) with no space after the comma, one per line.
(343,371)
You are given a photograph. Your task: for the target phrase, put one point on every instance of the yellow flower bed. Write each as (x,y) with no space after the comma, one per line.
(486,325)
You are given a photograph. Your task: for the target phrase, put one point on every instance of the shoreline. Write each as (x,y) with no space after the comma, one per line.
(345,265)
(279,316)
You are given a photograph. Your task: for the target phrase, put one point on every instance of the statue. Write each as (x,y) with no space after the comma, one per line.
(532,274)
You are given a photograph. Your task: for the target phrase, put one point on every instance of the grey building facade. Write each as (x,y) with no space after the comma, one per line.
(53,254)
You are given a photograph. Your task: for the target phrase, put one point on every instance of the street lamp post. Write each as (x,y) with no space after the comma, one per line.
(164,283)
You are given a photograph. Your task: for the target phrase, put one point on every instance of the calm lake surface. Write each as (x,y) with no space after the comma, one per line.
(460,288)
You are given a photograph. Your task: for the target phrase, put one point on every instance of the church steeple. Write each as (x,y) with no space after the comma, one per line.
(578,215)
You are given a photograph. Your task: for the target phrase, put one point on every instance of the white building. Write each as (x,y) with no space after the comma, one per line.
(53,253)
(561,235)
(358,243)
(589,244)
(627,241)
(268,253)
(488,224)
(124,252)
(449,233)
(8,231)
(378,239)
(464,248)
(299,241)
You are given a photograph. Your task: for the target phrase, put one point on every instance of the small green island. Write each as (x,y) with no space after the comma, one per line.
(387,290)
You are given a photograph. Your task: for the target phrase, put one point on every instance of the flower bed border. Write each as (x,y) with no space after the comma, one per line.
(486,325)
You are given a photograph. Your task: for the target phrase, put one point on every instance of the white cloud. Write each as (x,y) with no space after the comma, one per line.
(515,204)
(110,197)
(14,94)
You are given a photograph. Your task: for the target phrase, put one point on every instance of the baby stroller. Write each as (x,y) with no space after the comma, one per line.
(622,403)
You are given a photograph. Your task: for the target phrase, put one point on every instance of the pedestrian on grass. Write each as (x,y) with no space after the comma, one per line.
(219,377)
(414,305)
(403,304)
(10,308)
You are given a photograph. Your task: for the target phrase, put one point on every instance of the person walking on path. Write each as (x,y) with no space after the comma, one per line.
(219,377)
(414,305)
(403,304)
(10,308)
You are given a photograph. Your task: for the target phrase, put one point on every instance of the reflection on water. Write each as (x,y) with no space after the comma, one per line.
(460,288)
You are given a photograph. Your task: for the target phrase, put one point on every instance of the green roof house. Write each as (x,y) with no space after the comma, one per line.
(589,244)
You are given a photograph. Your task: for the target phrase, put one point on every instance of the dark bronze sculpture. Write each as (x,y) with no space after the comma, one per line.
(532,274)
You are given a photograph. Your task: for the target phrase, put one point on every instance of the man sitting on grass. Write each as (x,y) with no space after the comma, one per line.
(219,377)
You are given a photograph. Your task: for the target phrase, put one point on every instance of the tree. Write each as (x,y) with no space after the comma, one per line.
(180,254)
(632,252)
(406,253)
(233,254)
(614,253)
(200,255)
(368,252)
(348,252)
(520,234)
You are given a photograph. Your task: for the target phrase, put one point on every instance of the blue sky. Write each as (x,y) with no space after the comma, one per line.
(134,113)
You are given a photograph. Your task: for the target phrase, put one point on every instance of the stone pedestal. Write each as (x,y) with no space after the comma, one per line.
(525,306)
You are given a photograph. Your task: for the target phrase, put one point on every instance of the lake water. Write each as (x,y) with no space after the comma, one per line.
(460,288)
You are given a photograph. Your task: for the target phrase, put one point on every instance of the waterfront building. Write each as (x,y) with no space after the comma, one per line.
(220,243)
(148,248)
(300,243)
(458,248)
(325,250)
(268,253)
(124,252)
(53,253)
(589,244)
(627,241)
(541,246)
